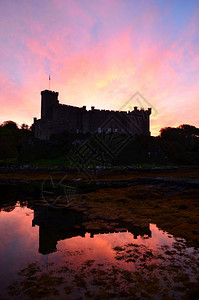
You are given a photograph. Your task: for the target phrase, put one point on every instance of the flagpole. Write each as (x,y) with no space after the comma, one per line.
(49,81)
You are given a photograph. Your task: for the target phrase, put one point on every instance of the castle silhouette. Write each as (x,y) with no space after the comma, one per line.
(57,118)
(55,225)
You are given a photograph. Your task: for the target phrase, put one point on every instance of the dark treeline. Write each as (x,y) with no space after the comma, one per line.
(173,146)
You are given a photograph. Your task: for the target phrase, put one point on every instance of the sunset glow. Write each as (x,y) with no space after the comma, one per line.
(101,52)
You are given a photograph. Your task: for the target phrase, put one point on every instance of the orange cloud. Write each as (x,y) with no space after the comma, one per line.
(101,56)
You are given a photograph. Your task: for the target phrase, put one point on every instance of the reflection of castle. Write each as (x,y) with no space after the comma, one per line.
(57,118)
(55,225)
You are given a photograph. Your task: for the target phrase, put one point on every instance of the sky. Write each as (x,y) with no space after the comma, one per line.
(100,53)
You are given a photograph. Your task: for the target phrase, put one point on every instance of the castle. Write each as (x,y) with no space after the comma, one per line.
(57,118)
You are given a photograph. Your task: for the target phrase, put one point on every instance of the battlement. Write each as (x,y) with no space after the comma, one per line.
(48,92)
(119,111)
(93,109)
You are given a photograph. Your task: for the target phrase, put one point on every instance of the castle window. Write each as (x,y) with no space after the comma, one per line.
(109,130)
(77,130)
(99,130)
(116,130)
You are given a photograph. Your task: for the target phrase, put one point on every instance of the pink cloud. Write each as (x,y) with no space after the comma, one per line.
(105,69)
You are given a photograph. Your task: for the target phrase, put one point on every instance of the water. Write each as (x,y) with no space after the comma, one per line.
(46,253)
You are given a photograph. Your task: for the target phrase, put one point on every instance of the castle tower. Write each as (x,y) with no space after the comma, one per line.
(49,100)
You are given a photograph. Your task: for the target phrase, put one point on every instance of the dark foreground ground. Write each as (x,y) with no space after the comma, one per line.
(167,197)
(113,200)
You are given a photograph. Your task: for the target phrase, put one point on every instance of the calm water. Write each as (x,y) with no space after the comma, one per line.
(47,253)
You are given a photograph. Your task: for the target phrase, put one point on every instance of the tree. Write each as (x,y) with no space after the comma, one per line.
(24,126)
(189,130)
(10,125)
(171,133)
